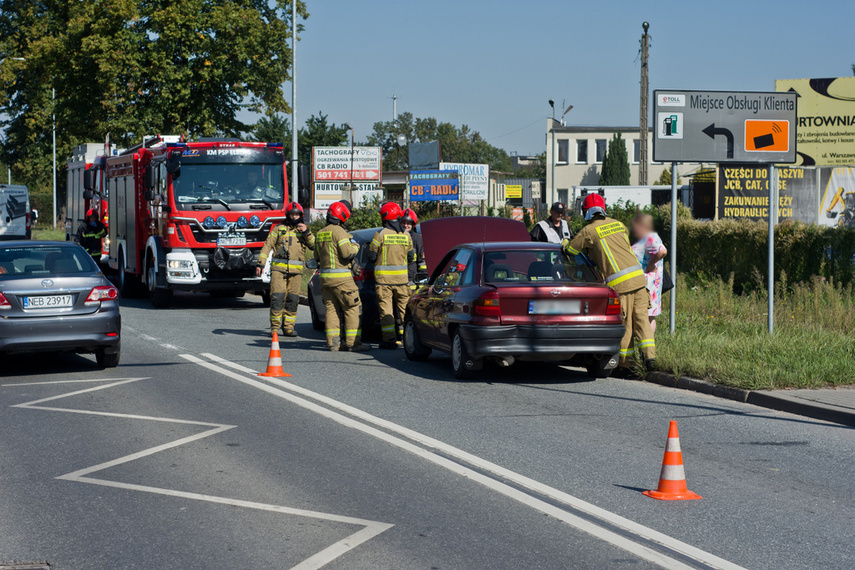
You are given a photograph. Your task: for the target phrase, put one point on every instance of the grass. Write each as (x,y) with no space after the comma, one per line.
(49,235)
(723,337)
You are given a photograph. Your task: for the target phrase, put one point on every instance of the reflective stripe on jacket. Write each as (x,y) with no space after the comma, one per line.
(393,252)
(288,249)
(606,242)
(335,250)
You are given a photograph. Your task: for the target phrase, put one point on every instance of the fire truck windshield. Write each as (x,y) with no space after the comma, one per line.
(231,185)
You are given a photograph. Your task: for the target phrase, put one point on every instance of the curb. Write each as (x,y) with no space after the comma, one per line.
(778,402)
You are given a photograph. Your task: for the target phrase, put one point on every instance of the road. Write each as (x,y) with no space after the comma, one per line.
(183,458)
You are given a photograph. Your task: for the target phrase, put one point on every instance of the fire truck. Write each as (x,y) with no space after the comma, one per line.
(189,216)
(78,200)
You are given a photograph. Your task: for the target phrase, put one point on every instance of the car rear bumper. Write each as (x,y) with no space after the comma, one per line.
(560,341)
(80,333)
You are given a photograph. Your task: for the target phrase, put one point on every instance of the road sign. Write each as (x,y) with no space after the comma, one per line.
(513,191)
(333,163)
(724,126)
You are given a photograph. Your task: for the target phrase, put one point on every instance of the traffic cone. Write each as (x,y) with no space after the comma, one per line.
(672,479)
(274,364)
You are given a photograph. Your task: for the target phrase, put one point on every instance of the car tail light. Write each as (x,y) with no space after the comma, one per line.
(613,308)
(487,305)
(103,293)
(4,302)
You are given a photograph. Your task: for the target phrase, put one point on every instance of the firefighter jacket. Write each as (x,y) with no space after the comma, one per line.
(606,242)
(394,251)
(288,247)
(89,235)
(335,250)
(418,265)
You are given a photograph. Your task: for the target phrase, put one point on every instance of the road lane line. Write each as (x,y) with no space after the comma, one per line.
(370,528)
(585,525)
(70,381)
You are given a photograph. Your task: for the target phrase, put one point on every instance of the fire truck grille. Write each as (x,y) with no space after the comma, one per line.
(202,236)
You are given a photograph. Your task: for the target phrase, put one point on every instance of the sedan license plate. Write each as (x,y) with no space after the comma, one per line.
(47,301)
(555,307)
(231,240)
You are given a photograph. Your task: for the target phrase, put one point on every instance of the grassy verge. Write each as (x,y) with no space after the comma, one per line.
(722,337)
(49,235)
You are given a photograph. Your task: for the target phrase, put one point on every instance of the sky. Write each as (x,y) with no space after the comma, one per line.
(494,64)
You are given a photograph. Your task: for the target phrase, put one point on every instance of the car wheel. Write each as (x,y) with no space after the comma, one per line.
(413,347)
(317,323)
(265,298)
(597,367)
(106,359)
(127,283)
(160,298)
(463,365)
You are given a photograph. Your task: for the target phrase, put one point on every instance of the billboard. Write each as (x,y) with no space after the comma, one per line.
(328,192)
(434,186)
(334,163)
(825,128)
(743,193)
(474,179)
(837,207)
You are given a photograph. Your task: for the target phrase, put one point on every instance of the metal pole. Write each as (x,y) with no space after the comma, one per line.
(10,175)
(295,165)
(552,196)
(773,215)
(645,94)
(53,99)
(672,321)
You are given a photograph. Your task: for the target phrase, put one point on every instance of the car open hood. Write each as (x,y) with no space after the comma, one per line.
(442,234)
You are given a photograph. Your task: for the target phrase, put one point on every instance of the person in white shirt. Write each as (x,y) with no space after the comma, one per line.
(553,229)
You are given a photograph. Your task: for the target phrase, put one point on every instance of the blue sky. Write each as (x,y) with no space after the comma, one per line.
(494,64)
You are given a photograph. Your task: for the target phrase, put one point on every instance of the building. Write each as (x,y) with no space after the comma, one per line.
(574,157)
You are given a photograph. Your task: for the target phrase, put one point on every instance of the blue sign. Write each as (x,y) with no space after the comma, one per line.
(434,185)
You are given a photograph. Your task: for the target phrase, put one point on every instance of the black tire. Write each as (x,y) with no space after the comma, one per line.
(265,298)
(160,298)
(317,323)
(106,359)
(127,283)
(462,365)
(597,367)
(413,347)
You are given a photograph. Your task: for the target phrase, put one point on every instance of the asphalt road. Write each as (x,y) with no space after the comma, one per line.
(183,458)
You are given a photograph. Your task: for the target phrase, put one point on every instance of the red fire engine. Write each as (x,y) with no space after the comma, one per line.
(189,216)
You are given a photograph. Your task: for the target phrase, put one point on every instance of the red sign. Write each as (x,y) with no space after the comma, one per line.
(346,175)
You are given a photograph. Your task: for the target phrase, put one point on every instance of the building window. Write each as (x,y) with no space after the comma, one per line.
(636,151)
(581,152)
(563,151)
(601,150)
(562,196)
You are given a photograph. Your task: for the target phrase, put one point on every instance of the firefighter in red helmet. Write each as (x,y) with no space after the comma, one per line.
(606,242)
(287,243)
(335,250)
(90,233)
(391,251)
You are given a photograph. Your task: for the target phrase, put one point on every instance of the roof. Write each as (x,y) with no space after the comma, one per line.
(595,129)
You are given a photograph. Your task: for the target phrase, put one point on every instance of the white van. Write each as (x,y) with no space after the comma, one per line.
(14,212)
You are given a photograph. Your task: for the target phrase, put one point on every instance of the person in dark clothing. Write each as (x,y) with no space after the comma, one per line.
(553,229)
(90,233)
(408,220)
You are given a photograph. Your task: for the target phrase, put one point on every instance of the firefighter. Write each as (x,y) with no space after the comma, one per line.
(606,242)
(335,250)
(287,242)
(391,251)
(90,233)
(409,220)
(554,229)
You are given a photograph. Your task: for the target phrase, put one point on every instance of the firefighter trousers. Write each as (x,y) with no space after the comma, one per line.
(634,306)
(284,300)
(391,302)
(343,308)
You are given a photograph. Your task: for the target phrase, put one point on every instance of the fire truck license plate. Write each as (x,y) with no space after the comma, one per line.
(231,240)
(47,301)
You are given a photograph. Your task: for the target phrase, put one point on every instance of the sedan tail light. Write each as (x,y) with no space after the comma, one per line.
(4,302)
(103,293)
(487,305)
(613,308)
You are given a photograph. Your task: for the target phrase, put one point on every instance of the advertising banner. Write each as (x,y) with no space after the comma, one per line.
(743,192)
(513,191)
(14,207)
(333,163)
(825,131)
(474,179)
(838,197)
(434,186)
(328,192)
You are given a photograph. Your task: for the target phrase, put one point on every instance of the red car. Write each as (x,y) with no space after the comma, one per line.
(509,300)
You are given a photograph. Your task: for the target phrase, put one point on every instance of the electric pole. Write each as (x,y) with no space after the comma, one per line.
(645,113)
(395,108)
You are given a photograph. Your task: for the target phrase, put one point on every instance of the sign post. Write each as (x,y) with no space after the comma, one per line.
(725,126)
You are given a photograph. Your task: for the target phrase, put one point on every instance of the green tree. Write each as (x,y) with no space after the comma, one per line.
(275,128)
(615,170)
(536,170)
(664,178)
(318,131)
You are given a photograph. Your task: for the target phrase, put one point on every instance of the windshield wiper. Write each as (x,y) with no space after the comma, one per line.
(267,203)
(220,200)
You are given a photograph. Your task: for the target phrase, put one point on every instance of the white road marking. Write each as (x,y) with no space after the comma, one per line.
(612,519)
(370,528)
(69,381)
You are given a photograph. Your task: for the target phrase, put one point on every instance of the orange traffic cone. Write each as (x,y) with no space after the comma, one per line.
(274,364)
(672,479)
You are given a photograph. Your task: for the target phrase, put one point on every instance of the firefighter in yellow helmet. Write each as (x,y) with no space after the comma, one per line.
(287,243)
(606,242)
(335,251)
(391,251)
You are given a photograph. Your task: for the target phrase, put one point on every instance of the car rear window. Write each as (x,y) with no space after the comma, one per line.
(536,266)
(36,261)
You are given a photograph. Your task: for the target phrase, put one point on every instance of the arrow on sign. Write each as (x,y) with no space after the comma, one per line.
(711,131)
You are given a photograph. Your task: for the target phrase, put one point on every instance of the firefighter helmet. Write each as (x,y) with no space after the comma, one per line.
(593,204)
(408,215)
(390,211)
(91,212)
(339,211)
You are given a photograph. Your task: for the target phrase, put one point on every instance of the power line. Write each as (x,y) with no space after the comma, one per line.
(519,129)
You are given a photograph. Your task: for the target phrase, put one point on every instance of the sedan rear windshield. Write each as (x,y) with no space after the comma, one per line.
(536,266)
(40,261)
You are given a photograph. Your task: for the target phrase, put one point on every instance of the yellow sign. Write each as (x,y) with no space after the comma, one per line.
(825,131)
(513,191)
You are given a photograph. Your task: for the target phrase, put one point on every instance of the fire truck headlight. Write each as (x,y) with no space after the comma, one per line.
(221,221)
(242,222)
(255,221)
(208,223)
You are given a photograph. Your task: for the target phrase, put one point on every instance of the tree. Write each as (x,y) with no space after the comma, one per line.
(615,170)
(536,170)
(136,67)
(664,178)
(275,128)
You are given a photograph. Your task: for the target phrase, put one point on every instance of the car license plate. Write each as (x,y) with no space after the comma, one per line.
(231,240)
(47,301)
(555,307)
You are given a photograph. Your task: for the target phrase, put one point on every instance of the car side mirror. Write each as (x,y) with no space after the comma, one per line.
(88,194)
(89,179)
(149,195)
(173,164)
(150,180)
(303,177)
(312,263)
(303,196)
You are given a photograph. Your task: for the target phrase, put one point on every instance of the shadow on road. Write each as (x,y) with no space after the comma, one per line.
(38,364)
(197,302)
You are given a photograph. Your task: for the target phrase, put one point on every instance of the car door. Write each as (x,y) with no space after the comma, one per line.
(454,277)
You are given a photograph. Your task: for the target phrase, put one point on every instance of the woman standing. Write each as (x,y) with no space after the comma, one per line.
(650,252)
